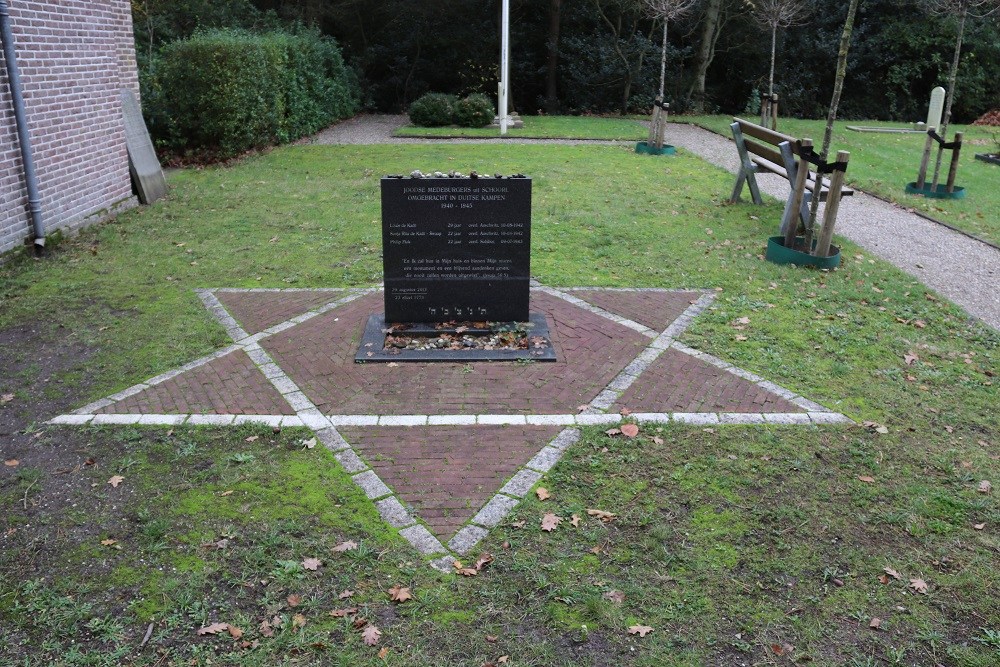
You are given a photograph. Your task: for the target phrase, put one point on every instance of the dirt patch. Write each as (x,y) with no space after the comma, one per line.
(43,372)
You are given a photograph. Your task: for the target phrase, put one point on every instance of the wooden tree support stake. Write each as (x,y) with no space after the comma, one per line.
(925,160)
(798,194)
(953,169)
(832,207)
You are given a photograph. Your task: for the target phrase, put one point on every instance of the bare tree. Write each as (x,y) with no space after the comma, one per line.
(961,10)
(666,11)
(838,87)
(774,14)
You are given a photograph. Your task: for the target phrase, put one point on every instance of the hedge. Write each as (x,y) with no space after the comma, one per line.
(230,91)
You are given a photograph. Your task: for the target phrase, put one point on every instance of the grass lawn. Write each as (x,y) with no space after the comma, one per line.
(882,164)
(737,545)
(543,127)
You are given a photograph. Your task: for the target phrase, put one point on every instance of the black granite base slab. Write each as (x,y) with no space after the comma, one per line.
(373,343)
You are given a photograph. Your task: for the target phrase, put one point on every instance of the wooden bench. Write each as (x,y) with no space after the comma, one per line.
(765,150)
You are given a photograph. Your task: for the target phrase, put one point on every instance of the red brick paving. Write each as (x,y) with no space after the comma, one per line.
(319,356)
(656,310)
(231,384)
(678,382)
(257,311)
(447,473)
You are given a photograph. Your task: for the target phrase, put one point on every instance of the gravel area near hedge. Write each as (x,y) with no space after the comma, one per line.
(965,270)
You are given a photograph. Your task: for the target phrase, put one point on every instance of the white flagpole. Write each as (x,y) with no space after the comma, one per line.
(504,65)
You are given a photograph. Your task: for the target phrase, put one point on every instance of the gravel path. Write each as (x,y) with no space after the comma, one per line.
(963,269)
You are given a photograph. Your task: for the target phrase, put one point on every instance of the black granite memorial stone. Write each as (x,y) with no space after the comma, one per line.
(456,249)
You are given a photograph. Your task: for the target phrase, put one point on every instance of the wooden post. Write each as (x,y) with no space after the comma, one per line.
(832,207)
(774,111)
(662,133)
(763,109)
(798,192)
(953,170)
(922,174)
(651,139)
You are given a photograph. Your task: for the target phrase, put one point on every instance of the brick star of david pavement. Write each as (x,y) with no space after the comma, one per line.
(446,450)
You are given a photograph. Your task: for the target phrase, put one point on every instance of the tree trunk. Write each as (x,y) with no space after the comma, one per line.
(770,80)
(552,62)
(663,59)
(952,77)
(838,87)
(706,52)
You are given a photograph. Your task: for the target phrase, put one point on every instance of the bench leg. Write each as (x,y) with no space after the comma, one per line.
(754,190)
(741,178)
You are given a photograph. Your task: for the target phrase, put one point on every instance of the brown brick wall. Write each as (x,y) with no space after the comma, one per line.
(74,57)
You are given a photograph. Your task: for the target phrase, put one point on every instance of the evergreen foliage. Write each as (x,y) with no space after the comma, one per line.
(433,110)
(227,91)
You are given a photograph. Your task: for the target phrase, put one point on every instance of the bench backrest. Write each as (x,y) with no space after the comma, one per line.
(768,137)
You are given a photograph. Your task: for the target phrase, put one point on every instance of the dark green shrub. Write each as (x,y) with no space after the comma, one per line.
(433,110)
(230,91)
(476,110)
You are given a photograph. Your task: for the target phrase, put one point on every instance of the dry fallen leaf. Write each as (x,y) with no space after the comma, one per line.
(502,660)
(979,526)
(11,463)
(252,438)
(866,478)
(615,596)
(919,585)
(265,628)
(606,517)
(298,621)
(575,520)
(550,521)
(294,600)
(341,613)
(226,493)
(213,629)
(909,358)
(371,635)
(883,578)
(400,594)
(346,594)
(581,408)
(630,430)
(309,444)
(6,398)
(108,542)
(346,546)
(311,563)
(115,481)
(641,630)
(383,652)
(984,487)
(892,573)
(484,559)
(542,493)
(875,623)
(657,440)
(235,632)
(613,432)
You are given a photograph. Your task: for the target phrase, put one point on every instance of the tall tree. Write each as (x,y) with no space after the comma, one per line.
(774,14)
(666,11)
(622,18)
(960,10)
(838,88)
(552,57)
(706,51)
